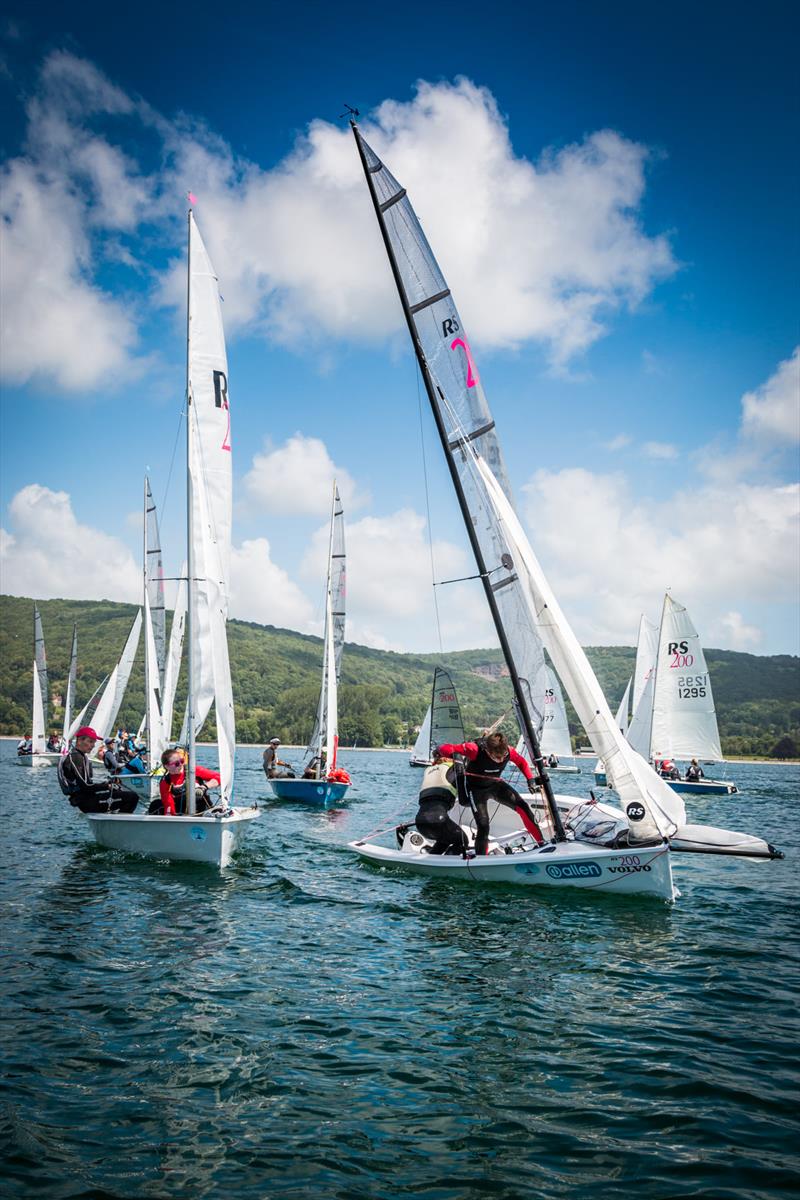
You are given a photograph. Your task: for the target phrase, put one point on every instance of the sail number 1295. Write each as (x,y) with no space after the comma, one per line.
(692,687)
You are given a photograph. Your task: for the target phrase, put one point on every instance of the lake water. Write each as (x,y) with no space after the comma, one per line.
(306,1026)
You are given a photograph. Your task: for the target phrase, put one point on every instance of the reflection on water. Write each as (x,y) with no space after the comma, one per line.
(302,1025)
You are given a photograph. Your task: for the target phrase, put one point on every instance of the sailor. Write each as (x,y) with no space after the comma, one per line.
(669,770)
(437,795)
(694,772)
(486,759)
(53,742)
(25,745)
(552,760)
(111,760)
(272,763)
(172,786)
(75,780)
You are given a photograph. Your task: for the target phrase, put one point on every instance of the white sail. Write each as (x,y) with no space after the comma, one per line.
(446,723)
(86,715)
(39,740)
(154,575)
(69,699)
(646,652)
(422,746)
(554,738)
(41,659)
(154,718)
(333,640)
(641,726)
(652,808)
(109,704)
(684,717)
(210,482)
(622,711)
(332,694)
(173,664)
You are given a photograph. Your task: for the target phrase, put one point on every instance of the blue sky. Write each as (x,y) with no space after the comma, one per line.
(612,195)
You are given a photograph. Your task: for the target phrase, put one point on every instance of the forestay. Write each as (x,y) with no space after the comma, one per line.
(652,808)
(684,718)
(210,481)
(446,724)
(468,422)
(109,703)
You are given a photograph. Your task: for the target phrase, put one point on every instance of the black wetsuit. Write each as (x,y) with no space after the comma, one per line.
(485,784)
(89,797)
(433,820)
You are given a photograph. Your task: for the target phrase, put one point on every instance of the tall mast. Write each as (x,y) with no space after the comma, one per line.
(190,766)
(323,726)
(530,733)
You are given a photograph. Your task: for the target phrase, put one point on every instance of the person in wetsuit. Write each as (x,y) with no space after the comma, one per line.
(487,758)
(694,772)
(272,763)
(75,778)
(437,795)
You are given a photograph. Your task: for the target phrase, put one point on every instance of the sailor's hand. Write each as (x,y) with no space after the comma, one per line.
(532,788)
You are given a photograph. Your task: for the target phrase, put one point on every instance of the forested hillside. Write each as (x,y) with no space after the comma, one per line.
(383,696)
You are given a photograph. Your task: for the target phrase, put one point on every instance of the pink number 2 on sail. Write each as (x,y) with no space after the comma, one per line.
(472,371)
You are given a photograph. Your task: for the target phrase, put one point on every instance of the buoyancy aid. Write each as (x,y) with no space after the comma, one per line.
(437,784)
(484,765)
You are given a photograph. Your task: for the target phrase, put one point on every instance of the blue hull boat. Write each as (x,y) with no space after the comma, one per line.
(703,787)
(309,791)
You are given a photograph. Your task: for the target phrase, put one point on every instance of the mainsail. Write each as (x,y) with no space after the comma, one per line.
(69,699)
(684,718)
(325,732)
(154,578)
(446,723)
(622,711)
(464,423)
(41,658)
(210,502)
(39,744)
(554,737)
(109,703)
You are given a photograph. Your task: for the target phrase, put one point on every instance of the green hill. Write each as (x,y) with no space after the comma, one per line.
(383,695)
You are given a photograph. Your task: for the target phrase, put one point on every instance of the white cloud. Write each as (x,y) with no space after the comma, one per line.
(262,591)
(712,545)
(661,450)
(49,554)
(772,411)
(389,591)
(297,479)
(738,635)
(619,442)
(542,251)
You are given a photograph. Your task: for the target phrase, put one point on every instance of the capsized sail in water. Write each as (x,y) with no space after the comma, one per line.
(523,607)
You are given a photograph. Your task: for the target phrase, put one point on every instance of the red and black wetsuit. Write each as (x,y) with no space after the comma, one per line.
(485,784)
(173,789)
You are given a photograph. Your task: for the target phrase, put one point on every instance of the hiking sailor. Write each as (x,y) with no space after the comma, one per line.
(437,795)
(486,760)
(272,762)
(75,780)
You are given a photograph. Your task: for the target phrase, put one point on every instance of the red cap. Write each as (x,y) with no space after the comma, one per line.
(87,731)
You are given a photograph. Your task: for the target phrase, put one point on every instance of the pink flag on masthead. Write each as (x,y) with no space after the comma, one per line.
(192,198)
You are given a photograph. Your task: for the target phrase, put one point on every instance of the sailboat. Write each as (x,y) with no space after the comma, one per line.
(674,716)
(554,739)
(442,721)
(524,609)
(213,837)
(323,781)
(39,755)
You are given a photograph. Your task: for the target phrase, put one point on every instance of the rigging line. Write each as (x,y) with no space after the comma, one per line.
(428,510)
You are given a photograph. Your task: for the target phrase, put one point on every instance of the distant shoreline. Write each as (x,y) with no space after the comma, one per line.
(763,762)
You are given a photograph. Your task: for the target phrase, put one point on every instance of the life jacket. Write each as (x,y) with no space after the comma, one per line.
(483,765)
(69,783)
(338,775)
(435,783)
(201,800)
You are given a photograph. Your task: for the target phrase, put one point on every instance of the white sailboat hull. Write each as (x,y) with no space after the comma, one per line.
(211,840)
(643,872)
(47,759)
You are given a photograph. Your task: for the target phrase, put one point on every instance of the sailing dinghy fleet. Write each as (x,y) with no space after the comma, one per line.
(627,846)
